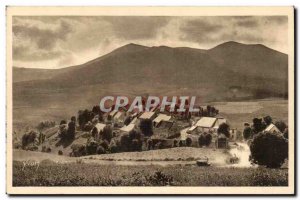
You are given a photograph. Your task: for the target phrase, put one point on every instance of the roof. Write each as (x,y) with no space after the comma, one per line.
(162,117)
(192,128)
(219,121)
(207,122)
(272,128)
(183,134)
(118,115)
(134,120)
(100,126)
(147,115)
(127,128)
(112,113)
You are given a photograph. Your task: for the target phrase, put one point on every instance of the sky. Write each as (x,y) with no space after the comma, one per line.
(56,41)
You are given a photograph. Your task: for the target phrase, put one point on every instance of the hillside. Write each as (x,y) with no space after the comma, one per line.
(230,71)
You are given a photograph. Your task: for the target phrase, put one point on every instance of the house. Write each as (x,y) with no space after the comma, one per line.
(127,128)
(112,113)
(272,128)
(148,115)
(119,116)
(160,118)
(207,124)
(96,130)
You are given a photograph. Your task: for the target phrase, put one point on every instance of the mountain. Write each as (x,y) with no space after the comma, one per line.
(229,71)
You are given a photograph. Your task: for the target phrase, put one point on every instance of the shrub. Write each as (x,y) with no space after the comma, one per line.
(104,144)
(107,133)
(146,127)
(150,144)
(269,149)
(100,150)
(29,138)
(113,148)
(281,126)
(188,142)
(258,125)
(84,117)
(125,142)
(91,147)
(208,139)
(286,133)
(201,140)
(78,150)
(160,179)
(247,133)
(268,120)
(44,125)
(224,129)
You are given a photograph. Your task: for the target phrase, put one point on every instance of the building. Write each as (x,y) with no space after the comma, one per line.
(207,124)
(272,128)
(161,118)
(96,130)
(127,128)
(148,115)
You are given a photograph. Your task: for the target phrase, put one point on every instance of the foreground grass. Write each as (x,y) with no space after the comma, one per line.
(82,174)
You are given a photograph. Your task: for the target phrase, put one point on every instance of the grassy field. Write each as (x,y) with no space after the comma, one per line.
(82,174)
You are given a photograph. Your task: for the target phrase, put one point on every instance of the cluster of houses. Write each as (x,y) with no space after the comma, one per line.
(191,128)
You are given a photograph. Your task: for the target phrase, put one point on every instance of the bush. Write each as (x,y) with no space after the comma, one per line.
(100,150)
(281,126)
(146,127)
(78,150)
(104,144)
(84,117)
(269,149)
(60,152)
(91,147)
(44,125)
(107,133)
(208,139)
(247,133)
(188,142)
(258,125)
(224,129)
(29,138)
(201,140)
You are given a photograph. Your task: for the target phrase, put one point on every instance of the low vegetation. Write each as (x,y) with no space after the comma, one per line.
(84,174)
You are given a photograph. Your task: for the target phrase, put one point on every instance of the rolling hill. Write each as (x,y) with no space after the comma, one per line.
(229,71)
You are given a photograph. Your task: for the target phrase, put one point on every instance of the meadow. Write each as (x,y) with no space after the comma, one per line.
(87,174)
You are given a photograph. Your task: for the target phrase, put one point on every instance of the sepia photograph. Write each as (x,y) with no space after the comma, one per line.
(150,100)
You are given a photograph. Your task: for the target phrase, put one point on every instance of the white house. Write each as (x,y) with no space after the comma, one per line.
(272,128)
(207,124)
(160,118)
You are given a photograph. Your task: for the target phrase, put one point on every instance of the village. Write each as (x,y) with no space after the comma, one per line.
(93,132)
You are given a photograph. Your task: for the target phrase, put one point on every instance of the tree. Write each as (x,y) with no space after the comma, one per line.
(201,140)
(146,127)
(268,120)
(258,125)
(71,128)
(281,126)
(107,133)
(29,138)
(188,142)
(224,129)
(269,149)
(286,133)
(208,139)
(247,133)
(84,117)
